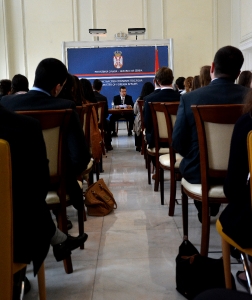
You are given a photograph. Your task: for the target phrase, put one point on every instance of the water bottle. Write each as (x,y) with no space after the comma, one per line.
(112,105)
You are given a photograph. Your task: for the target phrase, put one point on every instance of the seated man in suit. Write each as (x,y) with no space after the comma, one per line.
(33,227)
(97,86)
(222,90)
(50,76)
(164,78)
(122,99)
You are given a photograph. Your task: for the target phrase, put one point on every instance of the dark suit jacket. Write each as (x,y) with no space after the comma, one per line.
(78,152)
(236,219)
(128,100)
(165,95)
(185,139)
(99,97)
(33,224)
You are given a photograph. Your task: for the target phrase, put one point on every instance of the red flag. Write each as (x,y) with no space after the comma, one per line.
(156,59)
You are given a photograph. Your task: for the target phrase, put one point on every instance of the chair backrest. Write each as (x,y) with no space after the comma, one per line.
(171,115)
(249,147)
(101,108)
(84,114)
(141,105)
(158,111)
(54,124)
(215,124)
(6,228)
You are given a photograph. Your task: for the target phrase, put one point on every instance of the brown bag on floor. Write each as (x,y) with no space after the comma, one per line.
(99,200)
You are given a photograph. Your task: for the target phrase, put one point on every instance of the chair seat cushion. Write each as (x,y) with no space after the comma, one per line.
(215,191)
(165,160)
(161,150)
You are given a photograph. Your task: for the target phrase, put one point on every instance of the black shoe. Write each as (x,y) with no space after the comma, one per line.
(27,285)
(235,253)
(138,149)
(242,282)
(63,250)
(114,134)
(109,148)
(129,133)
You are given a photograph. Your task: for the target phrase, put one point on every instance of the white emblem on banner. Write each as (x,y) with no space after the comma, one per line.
(118,59)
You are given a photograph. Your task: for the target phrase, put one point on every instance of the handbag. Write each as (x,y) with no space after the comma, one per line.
(99,200)
(196,273)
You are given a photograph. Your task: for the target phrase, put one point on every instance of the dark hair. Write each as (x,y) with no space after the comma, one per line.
(196,83)
(228,62)
(245,78)
(147,89)
(67,90)
(49,73)
(5,86)
(122,88)
(88,92)
(205,77)
(180,83)
(97,84)
(164,76)
(78,95)
(19,83)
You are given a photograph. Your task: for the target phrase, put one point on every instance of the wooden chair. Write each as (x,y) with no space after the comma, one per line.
(54,124)
(84,114)
(215,125)
(161,137)
(144,143)
(7,266)
(172,160)
(227,241)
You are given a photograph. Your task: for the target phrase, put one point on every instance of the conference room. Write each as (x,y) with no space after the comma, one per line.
(130,253)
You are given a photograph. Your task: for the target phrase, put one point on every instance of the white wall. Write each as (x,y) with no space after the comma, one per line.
(31,30)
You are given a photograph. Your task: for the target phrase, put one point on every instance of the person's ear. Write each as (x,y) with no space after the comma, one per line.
(56,90)
(212,70)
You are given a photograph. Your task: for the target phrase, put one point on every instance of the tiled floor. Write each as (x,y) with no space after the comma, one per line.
(130,254)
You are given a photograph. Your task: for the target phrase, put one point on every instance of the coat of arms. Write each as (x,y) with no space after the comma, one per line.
(118,59)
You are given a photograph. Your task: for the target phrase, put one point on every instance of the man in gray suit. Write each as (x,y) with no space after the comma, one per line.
(222,90)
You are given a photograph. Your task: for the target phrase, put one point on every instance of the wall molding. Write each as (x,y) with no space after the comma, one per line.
(5,59)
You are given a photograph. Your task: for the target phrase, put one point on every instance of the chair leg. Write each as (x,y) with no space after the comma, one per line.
(156,185)
(226,263)
(184,198)
(127,124)
(161,177)
(81,223)
(172,195)
(149,168)
(205,231)
(90,177)
(41,282)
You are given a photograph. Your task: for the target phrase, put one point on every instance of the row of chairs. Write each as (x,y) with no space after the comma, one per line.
(54,126)
(215,124)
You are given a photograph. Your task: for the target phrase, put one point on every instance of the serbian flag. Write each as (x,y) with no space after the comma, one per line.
(156,59)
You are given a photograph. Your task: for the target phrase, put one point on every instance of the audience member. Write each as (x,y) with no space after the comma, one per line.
(97,87)
(205,77)
(50,77)
(180,84)
(88,93)
(196,82)
(19,84)
(78,95)
(164,78)
(5,87)
(236,219)
(147,89)
(188,84)
(122,99)
(222,90)
(33,227)
(245,79)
